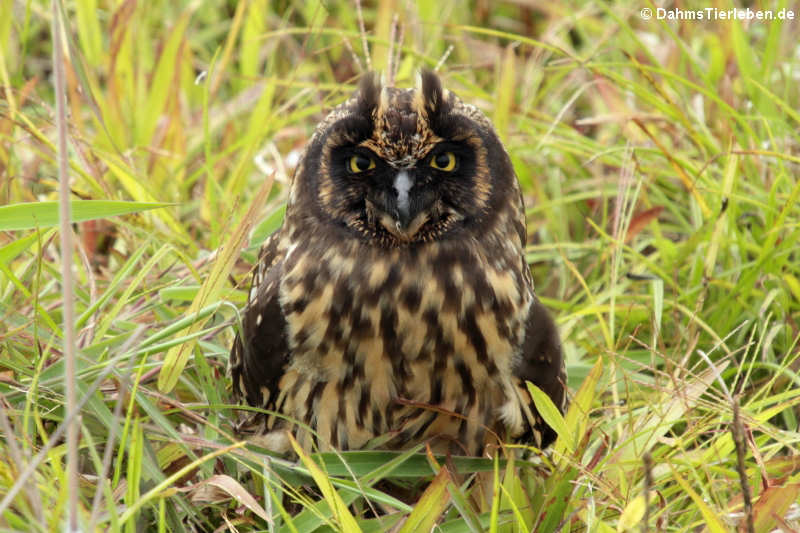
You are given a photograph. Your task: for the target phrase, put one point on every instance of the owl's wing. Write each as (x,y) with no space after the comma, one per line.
(260,351)
(542,363)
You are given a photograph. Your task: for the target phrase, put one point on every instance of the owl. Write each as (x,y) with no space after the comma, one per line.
(394,306)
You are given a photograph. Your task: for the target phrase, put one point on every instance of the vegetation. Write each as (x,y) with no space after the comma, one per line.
(659,160)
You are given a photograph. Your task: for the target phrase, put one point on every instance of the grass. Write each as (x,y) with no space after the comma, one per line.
(659,160)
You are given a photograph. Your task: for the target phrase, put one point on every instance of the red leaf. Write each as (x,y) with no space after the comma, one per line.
(638,222)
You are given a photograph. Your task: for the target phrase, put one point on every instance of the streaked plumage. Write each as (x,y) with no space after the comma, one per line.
(395,300)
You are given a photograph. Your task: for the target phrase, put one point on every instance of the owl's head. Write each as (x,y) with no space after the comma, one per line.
(403,166)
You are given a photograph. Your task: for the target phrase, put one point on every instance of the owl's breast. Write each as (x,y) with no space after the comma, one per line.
(381,335)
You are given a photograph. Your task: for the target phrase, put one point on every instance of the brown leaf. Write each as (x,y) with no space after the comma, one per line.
(638,222)
(221,488)
(773,503)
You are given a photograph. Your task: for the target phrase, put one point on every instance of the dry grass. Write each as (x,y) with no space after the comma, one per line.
(659,160)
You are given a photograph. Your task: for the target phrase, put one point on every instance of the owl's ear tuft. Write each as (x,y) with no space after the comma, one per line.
(430,88)
(369,90)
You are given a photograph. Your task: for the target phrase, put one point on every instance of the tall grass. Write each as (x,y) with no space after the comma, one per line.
(659,161)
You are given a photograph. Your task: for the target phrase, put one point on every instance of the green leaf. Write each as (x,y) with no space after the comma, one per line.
(773,501)
(175,360)
(505,93)
(711,516)
(632,514)
(430,506)
(414,465)
(160,490)
(14,248)
(577,416)
(550,413)
(30,215)
(662,412)
(268,226)
(557,493)
(134,473)
(185,293)
(341,513)
(164,78)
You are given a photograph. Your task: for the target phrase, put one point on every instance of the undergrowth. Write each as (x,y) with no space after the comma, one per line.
(659,161)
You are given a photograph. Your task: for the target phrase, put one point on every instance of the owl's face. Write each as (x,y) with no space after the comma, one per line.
(402,166)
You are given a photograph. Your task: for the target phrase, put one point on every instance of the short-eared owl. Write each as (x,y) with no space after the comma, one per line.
(395,300)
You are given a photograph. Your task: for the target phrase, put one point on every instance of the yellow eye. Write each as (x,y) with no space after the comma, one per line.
(444,161)
(359,163)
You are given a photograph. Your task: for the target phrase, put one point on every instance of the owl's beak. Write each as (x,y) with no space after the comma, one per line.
(401,212)
(410,212)
(401,186)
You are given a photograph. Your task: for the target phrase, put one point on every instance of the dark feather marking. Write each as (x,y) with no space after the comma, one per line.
(452,296)
(462,430)
(425,425)
(392,347)
(298,383)
(392,279)
(348,364)
(436,386)
(313,398)
(297,306)
(310,280)
(358,370)
(519,226)
(377,421)
(484,294)
(466,383)
(349,131)
(431,318)
(411,298)
(389,414)
(260,354)
(363,406)
(362,327)
(300,338)
(341,303)
(470,328)
(502,308)
(388,332)
(443,349)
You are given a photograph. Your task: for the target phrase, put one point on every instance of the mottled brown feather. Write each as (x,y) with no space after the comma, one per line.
(356,331)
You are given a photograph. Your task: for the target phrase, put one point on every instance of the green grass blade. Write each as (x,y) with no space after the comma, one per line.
(550,413)
(45,214)
(341,514)
(430,505)
(177,357)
